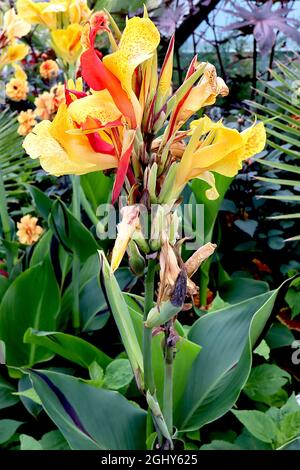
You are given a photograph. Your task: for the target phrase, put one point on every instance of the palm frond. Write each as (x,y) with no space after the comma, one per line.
(280,110)
(16,168)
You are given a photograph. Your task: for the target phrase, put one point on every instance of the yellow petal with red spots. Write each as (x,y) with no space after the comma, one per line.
(138,43)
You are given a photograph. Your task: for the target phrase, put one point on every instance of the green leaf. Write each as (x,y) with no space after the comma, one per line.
(118,307)
(54,440)
(90,418)
(279,336)
(259,424)
(220,445)
(68,346)
(266,379)
(8,428)
(241,288)
(247,441)
(6,394)
(118,374)
(221,369)
(263,350)
(29,443)
(94,311)
(247,226)
(292,445)
(282,182)
(292,298)
(279,165)
(97,188)
(41,249)
(31,301)
(42,202)
(290,426)
(70,232)
(185,356)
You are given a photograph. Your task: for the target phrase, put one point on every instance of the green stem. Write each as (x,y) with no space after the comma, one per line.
(168,379)
(147,337)
(76,261)
(3,211)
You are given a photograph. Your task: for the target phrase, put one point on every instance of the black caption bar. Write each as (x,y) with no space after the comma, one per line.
(142,459)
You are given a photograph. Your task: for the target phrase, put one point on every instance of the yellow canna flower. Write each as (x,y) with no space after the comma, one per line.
(138,43)
(61,153)
(220,150)
(28,230)
(13,53)
(27,122)
(17,88)
(43,13)
(203,94)
(78,11)
(66,42)
(49,69)
(14,26)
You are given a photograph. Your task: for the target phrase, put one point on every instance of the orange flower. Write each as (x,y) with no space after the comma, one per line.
(26,121)
(28,230)
(49,69)
(48,102)
(17,89)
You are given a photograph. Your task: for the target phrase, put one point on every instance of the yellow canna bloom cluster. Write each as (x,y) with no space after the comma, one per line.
(17,88)
(12,28)
(64,18)
(215,148)
(28,230)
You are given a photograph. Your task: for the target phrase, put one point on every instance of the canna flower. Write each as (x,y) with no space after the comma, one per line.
(52,13)
(49,69)
(27,121)
(17,88)
(28,230)
(203,94)
(43,13)
(64,153)
(66,42)
(13,53)
(14,26)
(126,228)
(216,148)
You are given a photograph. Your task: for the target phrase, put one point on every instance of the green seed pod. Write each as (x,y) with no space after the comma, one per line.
(136,261)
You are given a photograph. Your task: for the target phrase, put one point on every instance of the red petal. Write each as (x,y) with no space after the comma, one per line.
(122,169)
(99,145)
(99,77)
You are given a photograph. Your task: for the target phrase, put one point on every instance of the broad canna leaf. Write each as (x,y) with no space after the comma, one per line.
(70,347)
(90,418)
(219,373)
(32,300)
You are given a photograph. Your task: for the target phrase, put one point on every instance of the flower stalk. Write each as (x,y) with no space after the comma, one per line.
(76,260)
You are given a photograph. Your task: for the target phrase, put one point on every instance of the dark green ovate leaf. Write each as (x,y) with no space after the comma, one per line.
(28,397)
(31,301)
(8,428)
(90,418)
(6,394)
(279,336)
(265,380)
(259,424)
(220,445)
(224,363)
(70,232)
(70,347)
(118,374)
